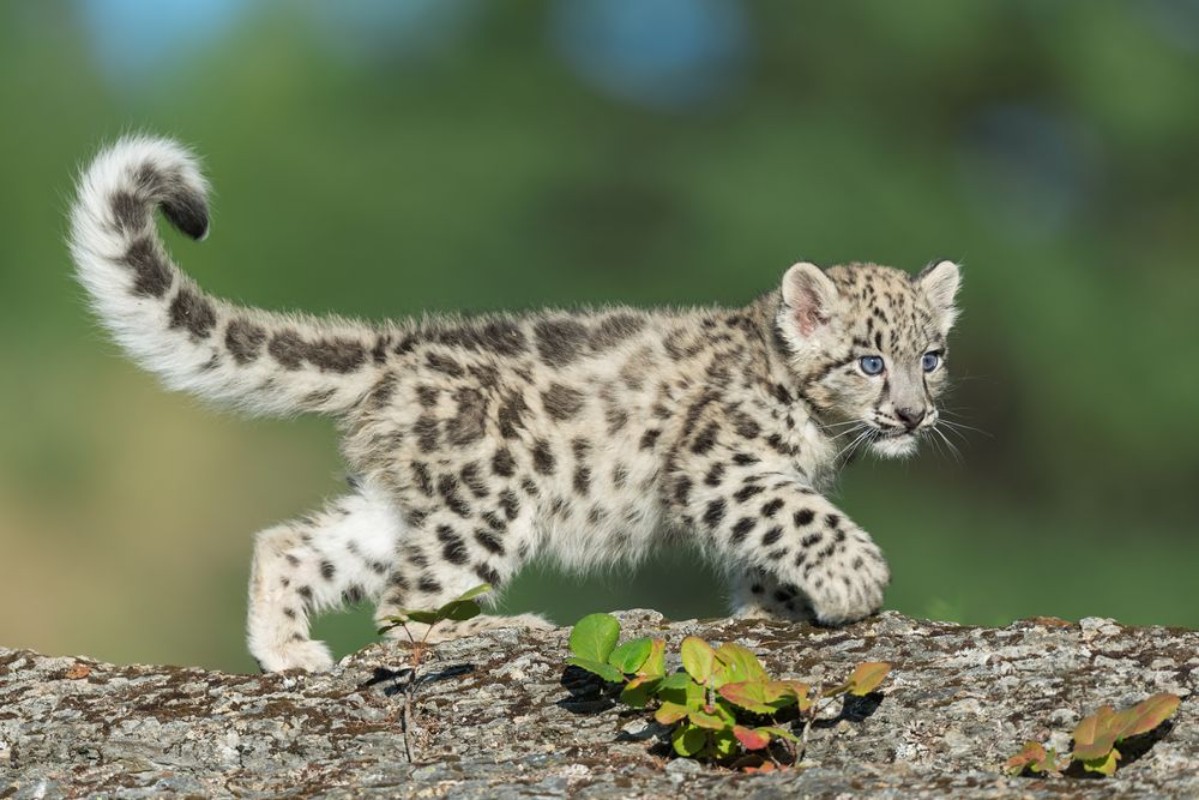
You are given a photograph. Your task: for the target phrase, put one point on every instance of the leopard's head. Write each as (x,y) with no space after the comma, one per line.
(869,344)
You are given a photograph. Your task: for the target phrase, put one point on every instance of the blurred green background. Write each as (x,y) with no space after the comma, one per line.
(381,158)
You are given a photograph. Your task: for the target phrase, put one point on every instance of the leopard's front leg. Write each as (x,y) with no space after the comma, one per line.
(796,554)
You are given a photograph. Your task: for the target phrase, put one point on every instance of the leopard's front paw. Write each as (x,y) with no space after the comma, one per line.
(302,654)
(845,580)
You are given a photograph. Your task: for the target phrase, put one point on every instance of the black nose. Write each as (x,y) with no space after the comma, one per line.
(911,417)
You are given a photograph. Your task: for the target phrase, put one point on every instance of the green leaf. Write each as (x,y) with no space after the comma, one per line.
(1094,737)
(702,719)
(680,689)
(677,681)
(739,665)
(1104,765)
(655,663)
(669,713)
(481,589)
(688,741)
(594,636)
(606,671)
(723,709)
(629,657)
(723,743)
(416,615)
(750,738)
(459,610)
(698,658)
(639,690)
(867,677)
(1145,715)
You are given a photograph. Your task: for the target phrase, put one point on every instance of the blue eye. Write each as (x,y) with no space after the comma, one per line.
(930,361)
(871,365)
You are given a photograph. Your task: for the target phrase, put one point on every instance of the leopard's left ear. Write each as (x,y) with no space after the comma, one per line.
(940,282)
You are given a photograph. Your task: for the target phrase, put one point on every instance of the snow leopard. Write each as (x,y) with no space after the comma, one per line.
(586,437)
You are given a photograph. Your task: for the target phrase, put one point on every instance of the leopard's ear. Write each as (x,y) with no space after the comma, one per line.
(939,282)
(810,296)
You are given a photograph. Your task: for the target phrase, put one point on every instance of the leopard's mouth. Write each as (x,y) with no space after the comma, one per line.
(894,442)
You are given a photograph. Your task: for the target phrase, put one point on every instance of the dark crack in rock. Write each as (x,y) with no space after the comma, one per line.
(497,719)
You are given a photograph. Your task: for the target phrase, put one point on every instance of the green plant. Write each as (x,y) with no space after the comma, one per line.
(722,705)
(460,609)
(1095,739)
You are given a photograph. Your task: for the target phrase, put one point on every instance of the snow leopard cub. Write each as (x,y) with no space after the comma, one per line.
(587,437)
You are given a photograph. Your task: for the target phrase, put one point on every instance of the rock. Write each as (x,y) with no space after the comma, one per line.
(498,717)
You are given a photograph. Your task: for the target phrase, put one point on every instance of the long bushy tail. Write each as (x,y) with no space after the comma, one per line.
(260,361)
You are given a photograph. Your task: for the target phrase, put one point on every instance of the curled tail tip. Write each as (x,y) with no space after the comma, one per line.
(129,178)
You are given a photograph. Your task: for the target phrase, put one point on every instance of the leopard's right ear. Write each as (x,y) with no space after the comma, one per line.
(939,282)
(810,296)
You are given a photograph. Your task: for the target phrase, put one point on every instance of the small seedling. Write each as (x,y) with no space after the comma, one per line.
(1095,739)
(459,609)
(722,705)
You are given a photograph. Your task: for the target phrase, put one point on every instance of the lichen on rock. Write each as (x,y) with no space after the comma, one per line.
(498,716)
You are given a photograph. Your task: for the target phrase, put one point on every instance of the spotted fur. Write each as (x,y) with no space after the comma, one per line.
(588,437)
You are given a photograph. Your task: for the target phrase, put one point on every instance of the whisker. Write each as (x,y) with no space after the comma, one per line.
(849,449)
(947,413)
(957,455)
(853,423)
(960,429)
(936,445)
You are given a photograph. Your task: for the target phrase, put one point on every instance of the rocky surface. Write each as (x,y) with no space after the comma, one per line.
(498,718)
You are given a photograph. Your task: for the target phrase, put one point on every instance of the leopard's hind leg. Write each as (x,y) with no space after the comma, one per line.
(451,553)
(342,554)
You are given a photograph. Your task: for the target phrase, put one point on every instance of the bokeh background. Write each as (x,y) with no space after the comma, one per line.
(382,157)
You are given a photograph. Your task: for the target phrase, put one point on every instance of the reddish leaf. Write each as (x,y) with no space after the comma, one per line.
(779,733)
(1033,757)
(78,671)
(762,697)
(750,695)
(751,739)
(1094,737)
(800,691)
(1145,715)
(670,713)
(867,677)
